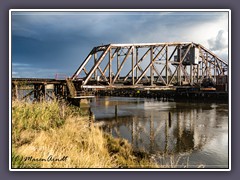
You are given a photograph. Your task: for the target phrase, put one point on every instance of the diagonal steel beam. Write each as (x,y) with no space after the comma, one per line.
(209,61)
(219,67)
(121,66)
(185,73)
(180,63)
(85,70)
(103,75)
(114,54)
(150,64)
(159,75)
(140,69)
(140,60)
(209,52)
(169,59)
(96,65)
(206,70)
(83,64)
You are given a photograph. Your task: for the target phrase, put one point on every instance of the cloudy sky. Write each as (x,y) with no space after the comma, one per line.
(47,43)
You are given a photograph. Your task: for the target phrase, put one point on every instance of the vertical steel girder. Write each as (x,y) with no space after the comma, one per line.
(159,63)
(121,65)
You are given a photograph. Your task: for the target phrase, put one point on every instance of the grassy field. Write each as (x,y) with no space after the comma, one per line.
(56,135)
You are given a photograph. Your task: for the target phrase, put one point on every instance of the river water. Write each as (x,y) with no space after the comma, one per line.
(192,135)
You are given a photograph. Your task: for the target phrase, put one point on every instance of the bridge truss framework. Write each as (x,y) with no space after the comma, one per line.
(149,64)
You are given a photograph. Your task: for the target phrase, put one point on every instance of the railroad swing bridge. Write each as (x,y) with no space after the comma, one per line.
(146,66)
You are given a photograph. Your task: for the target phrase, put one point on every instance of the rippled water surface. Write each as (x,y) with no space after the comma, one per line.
(196,132)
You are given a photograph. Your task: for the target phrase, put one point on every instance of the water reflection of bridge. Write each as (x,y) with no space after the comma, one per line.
(167,132)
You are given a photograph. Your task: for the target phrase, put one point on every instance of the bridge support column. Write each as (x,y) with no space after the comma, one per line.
(15,91)
(55,89)
(60,90)
(39,92)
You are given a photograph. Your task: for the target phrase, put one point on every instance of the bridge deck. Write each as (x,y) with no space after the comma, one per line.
(37,80)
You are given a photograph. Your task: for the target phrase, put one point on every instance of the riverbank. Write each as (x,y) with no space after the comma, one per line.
(57,135)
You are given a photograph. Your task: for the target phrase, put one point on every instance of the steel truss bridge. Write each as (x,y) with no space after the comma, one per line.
(153,65)
(148,66)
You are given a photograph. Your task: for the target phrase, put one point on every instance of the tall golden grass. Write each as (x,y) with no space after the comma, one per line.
(56,135)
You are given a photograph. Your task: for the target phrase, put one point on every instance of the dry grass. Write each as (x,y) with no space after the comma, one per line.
(84,147)
(51,129)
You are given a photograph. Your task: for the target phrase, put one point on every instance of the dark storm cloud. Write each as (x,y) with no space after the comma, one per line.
(61,40)
(100,26)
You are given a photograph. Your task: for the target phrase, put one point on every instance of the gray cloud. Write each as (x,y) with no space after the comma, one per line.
(107,26)
(219,43)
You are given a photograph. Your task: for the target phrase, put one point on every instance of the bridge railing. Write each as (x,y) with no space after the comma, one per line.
(59,76)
